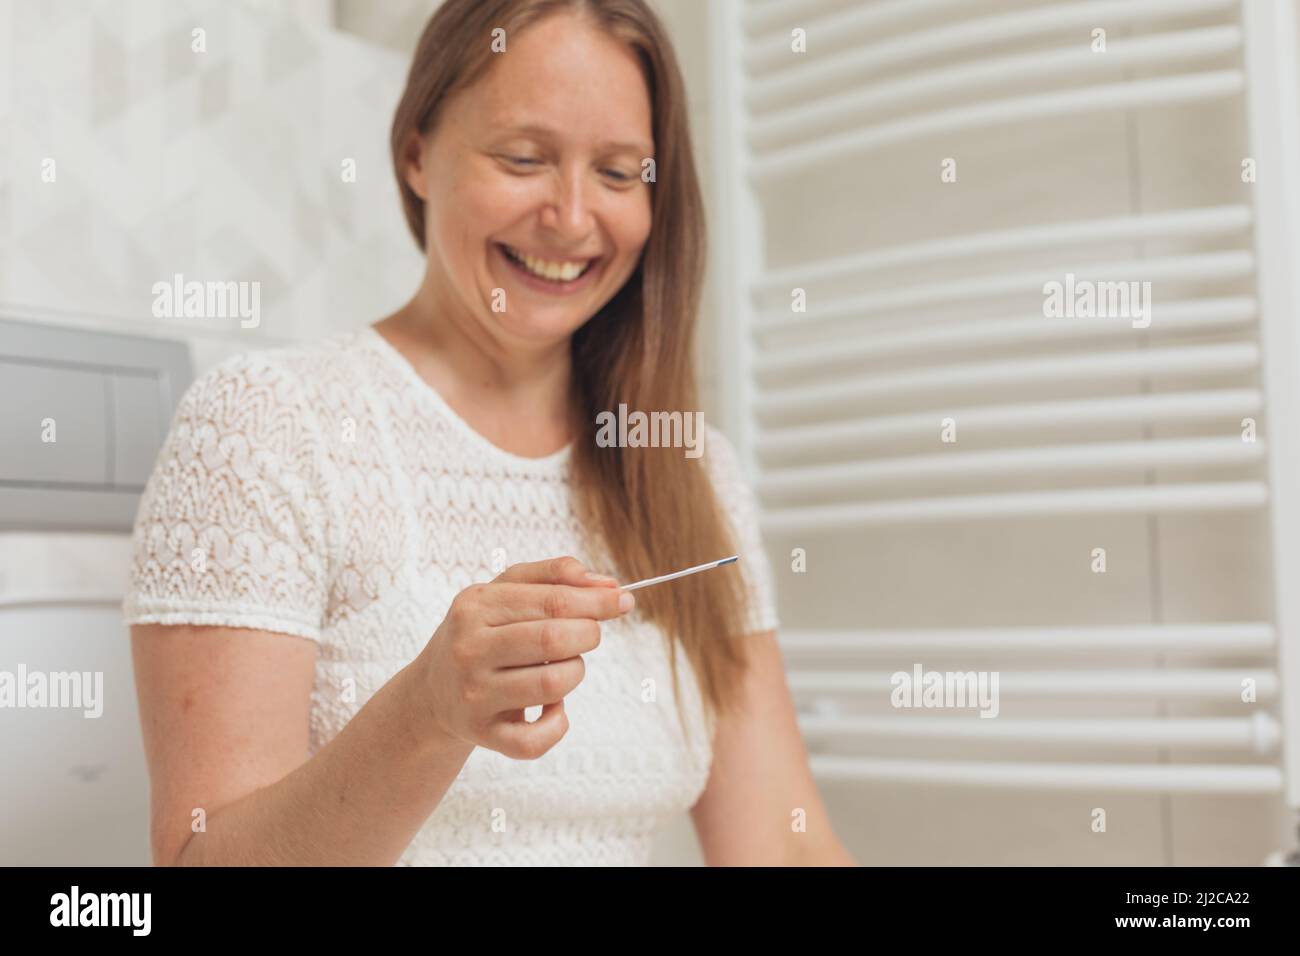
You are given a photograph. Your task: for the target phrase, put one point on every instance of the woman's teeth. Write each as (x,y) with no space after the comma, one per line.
(546,268)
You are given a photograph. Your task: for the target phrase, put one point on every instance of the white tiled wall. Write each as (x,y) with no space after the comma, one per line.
(218,165)
(221,165)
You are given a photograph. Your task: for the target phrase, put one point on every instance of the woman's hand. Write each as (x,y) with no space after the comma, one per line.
(511,644)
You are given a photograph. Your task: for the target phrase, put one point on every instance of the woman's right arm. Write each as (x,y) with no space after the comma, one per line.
(225,718)
(224,713)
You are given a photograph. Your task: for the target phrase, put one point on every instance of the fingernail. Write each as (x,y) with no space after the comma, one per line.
(593,576)
(625,601)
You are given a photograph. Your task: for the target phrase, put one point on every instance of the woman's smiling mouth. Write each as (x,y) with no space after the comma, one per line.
(561,276)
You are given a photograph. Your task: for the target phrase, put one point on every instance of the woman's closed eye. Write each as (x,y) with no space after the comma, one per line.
(527,162)
(522,160)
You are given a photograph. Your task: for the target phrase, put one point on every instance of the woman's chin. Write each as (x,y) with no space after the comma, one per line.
(540,326)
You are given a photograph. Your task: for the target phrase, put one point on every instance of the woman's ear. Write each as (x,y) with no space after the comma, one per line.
(413,163)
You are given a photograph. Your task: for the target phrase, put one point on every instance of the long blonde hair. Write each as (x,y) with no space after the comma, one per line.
(648,510)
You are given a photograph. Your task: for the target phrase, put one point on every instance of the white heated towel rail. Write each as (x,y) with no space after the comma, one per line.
(836,408)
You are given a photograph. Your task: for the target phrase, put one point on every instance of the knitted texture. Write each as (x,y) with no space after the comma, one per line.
(326,491)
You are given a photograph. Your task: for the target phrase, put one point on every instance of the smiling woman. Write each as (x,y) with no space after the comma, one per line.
(426,503)
(519,163)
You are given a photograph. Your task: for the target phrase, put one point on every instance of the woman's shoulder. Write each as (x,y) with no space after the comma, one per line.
(237,524)
(277,407)
(304,375)
(321,359)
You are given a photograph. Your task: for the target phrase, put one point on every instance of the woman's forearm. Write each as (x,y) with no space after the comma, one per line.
(827,853)
(358,801)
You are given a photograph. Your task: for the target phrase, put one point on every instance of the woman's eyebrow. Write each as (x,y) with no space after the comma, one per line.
(546,132)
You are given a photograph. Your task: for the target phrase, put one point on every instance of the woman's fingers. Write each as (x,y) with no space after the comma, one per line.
(515,643)
(566,570)
(534,642)
(518,642)
(511,603)
(520,687)
(521,740)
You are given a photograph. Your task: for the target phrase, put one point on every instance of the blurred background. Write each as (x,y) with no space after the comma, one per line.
(1094,509)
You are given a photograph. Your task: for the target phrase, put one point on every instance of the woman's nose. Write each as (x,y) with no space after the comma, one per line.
(568,211)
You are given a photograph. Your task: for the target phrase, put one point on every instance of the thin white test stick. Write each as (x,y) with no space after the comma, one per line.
(679,574)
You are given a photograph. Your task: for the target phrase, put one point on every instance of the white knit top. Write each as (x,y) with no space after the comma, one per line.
(327,491)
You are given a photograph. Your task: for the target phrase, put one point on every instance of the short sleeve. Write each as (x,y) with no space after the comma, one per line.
(740,504)
(231,527)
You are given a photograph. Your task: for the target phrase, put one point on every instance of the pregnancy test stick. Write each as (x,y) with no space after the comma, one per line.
(680,574)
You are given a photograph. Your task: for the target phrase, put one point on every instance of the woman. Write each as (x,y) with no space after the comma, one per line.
(324,676)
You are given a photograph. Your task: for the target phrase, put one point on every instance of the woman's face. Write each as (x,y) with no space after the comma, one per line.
(536,212)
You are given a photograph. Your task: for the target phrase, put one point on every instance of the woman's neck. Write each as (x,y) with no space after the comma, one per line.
(516,396)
